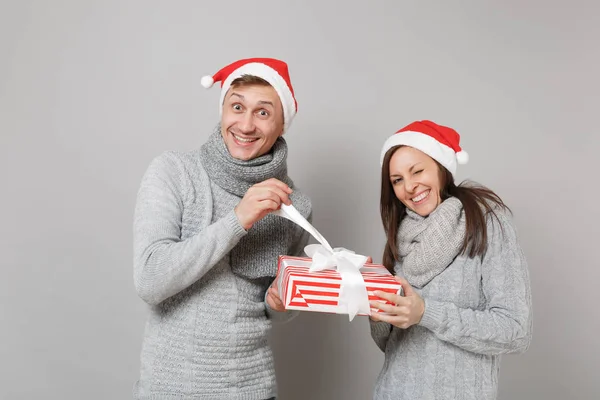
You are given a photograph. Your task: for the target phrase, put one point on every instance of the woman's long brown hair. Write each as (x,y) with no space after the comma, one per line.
(478,203)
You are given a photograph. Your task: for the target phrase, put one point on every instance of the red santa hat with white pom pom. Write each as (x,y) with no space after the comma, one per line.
(270,69)
(439,142)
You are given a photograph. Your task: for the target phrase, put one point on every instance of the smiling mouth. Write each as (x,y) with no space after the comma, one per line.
(421,197)
(243,140)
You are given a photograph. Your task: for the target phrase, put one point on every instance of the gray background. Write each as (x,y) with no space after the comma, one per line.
(90,91)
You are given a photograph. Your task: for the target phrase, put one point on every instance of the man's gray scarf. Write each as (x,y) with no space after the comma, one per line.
(256,254)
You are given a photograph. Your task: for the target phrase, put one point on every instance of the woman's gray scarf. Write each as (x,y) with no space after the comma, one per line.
(427,245)
(256,254)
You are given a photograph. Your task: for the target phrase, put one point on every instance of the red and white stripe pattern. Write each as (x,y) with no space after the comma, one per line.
(319,291)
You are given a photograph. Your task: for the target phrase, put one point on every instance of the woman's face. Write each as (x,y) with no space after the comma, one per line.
(416,180)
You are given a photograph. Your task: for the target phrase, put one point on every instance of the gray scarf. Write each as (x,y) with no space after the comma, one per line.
(256,254)
(427,245)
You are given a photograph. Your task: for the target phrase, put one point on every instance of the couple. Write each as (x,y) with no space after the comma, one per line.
(206,247)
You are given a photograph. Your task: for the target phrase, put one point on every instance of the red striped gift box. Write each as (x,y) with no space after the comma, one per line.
(319,291)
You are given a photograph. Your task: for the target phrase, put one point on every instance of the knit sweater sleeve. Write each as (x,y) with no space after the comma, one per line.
(504,326)
(380,332)
(164,264)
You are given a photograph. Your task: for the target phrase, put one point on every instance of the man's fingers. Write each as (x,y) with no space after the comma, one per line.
(269,192)
(269,205)
(282,195)
(277,183)
(274,301)
(261,199)
(271,195)
(275,296)
(270,301)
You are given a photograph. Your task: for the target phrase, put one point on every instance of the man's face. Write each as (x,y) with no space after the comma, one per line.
(251,121)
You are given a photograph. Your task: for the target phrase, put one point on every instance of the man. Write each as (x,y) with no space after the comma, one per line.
(206,247)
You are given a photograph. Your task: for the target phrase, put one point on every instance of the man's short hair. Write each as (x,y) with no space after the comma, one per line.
(248,80)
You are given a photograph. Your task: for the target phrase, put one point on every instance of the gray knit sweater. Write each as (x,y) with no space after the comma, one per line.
(474,312)
(206,337)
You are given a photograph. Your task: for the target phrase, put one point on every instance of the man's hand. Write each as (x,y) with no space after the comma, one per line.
(407,311)
(261,199)
(274,301)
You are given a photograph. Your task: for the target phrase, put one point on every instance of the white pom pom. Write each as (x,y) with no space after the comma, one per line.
(207,81)
(462,157)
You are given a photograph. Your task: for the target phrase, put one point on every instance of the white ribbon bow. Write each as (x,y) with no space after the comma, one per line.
(353,290)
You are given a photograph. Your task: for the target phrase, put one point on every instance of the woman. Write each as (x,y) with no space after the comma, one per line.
(467,297)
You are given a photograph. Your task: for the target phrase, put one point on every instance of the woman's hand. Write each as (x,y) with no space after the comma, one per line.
(407,311)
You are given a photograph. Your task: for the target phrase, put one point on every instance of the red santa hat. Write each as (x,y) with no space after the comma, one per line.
(439,142)
(271,70)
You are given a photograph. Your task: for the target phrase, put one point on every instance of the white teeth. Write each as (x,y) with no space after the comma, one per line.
(243,140)
(420,197)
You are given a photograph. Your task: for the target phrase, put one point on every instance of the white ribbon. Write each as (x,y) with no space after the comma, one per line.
(353,290)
